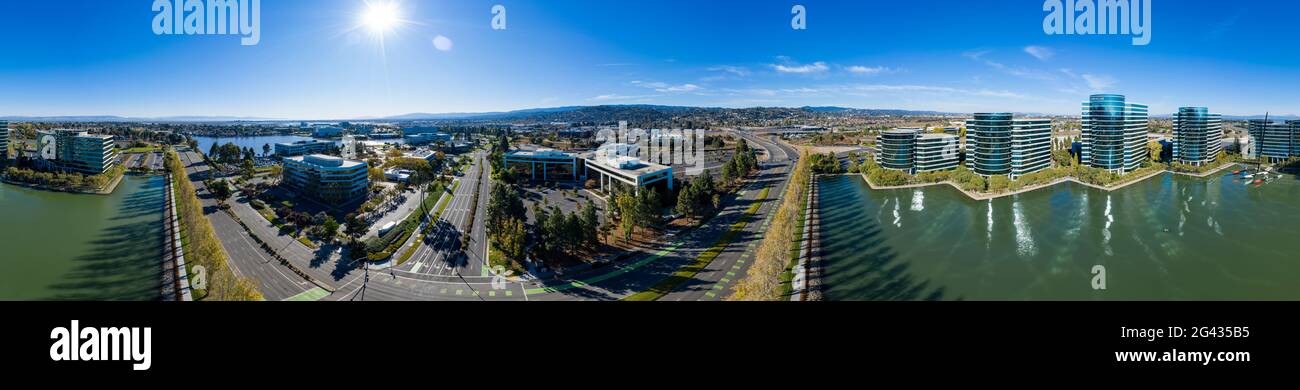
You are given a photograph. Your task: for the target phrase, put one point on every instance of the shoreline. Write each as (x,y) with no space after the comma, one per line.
(107,190)
(983,197)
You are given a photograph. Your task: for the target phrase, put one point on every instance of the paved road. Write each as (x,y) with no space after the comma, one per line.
(439,270)
(716,281)
(247,258)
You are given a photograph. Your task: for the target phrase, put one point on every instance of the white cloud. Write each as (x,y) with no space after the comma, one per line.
(666,88)
(1040,52)
(739,71)
(1099,83)
(617,97)
(442,43)
(816,67)
(858,69)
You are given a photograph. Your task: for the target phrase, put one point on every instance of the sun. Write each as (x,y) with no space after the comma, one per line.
(380,17)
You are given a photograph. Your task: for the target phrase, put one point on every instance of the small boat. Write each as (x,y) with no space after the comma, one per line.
(1260,181)
(1237,172)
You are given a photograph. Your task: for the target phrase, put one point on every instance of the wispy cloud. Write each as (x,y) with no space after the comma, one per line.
(862,70)
(816,67)
(617,97)
(981,57)
(1099,83)
(667,88)
(738,71)
(1040,52)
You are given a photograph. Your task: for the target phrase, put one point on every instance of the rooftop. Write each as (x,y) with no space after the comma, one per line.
(324,161)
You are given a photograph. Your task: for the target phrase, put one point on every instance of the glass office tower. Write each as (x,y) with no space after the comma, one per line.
(1198,136)
(1275,141)
(936,152)
(1114,134)
(1001,145)
(896,149)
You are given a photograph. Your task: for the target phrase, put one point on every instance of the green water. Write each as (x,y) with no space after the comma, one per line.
(59,246)
(1167,238)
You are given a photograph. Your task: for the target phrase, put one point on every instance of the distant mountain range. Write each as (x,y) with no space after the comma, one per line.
(112,118)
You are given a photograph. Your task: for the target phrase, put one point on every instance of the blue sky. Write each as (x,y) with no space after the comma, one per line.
(93,57)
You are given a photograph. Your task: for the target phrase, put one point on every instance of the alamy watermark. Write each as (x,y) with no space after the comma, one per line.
(679,148)
(241,18)
(1099,17)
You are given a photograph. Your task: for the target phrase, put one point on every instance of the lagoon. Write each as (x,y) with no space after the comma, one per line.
(63,246)
(1166,238)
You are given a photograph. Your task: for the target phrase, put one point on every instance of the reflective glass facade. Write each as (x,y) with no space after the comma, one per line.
(896,149)
(1114,134)
(1001,145)
(1275,141)
(1198,136)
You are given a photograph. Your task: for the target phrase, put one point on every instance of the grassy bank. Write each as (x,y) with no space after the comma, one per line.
(763,281)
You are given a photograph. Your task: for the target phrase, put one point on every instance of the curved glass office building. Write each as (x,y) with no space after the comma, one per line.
(1198,136)
(1275,141)
(989,139)
(896,149)
(1002,145)
(1114,134)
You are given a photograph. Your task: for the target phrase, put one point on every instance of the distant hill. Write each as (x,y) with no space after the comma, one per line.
(113,118)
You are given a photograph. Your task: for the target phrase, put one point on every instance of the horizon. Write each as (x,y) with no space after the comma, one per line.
(444,57)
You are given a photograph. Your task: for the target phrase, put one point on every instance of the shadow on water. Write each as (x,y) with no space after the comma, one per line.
(123,261)
(859,263)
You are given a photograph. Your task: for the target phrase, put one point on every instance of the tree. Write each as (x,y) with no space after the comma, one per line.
(354,227)
(213,151)
(220,190)
(511,240)
(249,170)
(330,228)
(627,207)
(1156,150)
(590,225)
(277,173)
(266,150)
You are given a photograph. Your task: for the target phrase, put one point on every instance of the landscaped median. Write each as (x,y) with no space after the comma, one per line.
(446,200)
(690,270)
(764,281)
(201,246)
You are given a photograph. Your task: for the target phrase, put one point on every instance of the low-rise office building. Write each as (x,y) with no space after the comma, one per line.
(1275,141)
(302,148)
(334,181)
(608,168)
(544,165)
(327,132)
(76,151)
(426,138)
(1198,136)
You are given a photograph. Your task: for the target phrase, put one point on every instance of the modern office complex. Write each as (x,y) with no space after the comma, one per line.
(1198,136)
(543,164)
(76,151)
(1275,141)
(1114,134)
(912,151)
(607,166)
(4,140)
(999,144)
(426,138)
(333,181)
(302,148)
